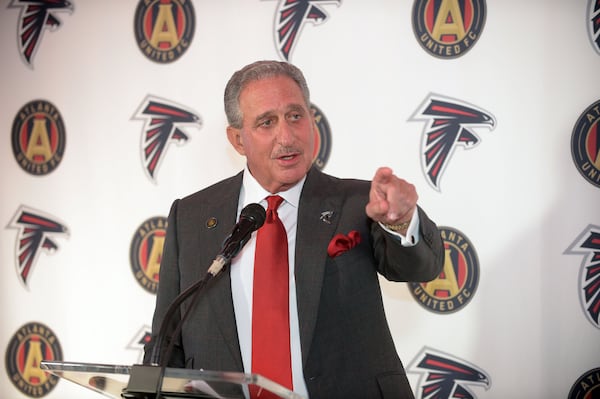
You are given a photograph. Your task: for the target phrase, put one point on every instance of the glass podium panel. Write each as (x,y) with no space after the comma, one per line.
(114,381)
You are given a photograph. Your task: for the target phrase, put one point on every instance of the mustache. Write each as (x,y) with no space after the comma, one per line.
(286,150)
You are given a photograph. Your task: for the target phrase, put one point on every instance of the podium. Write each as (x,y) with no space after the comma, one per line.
(118,381)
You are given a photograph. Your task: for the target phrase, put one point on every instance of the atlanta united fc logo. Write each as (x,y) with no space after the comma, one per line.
(146,252)
(38,137)
(454,288)
(323,139)
(164,29)
(448,28)
(585,144)
(587,386)
(31,344)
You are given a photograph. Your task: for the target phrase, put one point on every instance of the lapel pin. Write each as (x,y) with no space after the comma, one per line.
(211,222)
(326,216)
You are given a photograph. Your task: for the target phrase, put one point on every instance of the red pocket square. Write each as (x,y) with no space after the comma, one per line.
(341,243)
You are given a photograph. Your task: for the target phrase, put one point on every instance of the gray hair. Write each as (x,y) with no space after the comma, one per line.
(253,72)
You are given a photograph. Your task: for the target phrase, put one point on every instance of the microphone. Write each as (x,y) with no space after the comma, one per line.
(252,217)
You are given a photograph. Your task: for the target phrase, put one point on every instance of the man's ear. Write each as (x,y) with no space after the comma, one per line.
(235,138)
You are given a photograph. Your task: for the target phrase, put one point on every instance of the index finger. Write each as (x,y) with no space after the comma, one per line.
(382,175)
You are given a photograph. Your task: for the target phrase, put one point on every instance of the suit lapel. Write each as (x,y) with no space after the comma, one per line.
(313,233)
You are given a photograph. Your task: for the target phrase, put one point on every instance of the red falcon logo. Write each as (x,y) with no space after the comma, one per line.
(164,120)
(35,233)
(35,17)
(449,125)
(444,376)
(290,17)
(588,245)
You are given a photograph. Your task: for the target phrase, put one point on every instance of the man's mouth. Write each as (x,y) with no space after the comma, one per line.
(287,156)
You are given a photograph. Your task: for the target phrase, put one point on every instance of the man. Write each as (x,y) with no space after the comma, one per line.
(341,346)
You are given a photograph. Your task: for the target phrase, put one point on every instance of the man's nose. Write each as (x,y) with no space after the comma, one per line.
(285,133)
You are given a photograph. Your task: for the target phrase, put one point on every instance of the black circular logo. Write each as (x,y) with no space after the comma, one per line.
(587,386)
(448,29)
(164,29)
(585,144)
(323,139)
(454,288)
(145,252)
(38,137)
(31,344)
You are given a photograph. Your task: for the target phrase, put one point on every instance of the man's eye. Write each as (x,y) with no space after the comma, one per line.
(266,123)
(295,116)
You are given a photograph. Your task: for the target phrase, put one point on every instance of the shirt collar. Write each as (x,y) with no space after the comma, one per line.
(252,191)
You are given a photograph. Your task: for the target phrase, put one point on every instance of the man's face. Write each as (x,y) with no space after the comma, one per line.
(278,132)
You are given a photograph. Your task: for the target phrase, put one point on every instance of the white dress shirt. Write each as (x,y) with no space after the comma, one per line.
(242,276)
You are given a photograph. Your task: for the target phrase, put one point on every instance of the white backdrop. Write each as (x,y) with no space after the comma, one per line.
(517,196)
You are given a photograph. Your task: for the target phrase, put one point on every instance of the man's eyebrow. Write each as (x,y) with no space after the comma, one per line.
(264,115)
(296,107)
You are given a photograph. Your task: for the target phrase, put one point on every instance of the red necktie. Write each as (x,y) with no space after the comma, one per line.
(271,356)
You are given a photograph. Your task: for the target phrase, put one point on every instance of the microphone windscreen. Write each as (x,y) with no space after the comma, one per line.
(254,212)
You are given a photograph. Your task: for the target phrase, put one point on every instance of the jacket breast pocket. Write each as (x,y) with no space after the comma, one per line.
(351,272)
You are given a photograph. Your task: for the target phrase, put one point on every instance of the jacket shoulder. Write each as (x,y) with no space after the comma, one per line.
(336,185)
(216,191)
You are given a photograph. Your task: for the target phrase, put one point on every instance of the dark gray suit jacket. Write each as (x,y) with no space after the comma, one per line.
(347,348)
